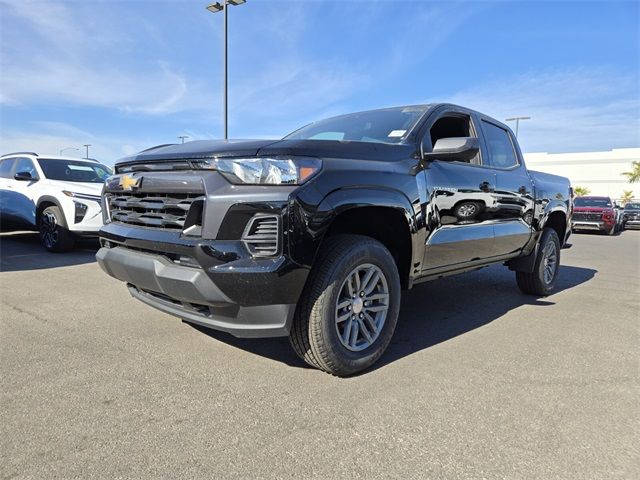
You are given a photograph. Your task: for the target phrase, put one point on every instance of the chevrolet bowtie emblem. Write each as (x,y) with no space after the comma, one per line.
(129,183)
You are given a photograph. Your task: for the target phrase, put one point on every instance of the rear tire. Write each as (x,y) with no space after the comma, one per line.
(54,235)
(349,308)
(541,282)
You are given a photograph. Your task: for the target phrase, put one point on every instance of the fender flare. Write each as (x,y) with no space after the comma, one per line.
(527,262)
(349,198)
(49,199)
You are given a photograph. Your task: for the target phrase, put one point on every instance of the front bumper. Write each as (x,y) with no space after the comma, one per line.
(221,287)
(586,225)
(632,224)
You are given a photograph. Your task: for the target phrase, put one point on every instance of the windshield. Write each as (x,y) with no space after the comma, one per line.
(632,206)
(592,202)
(74,171)
(389,125)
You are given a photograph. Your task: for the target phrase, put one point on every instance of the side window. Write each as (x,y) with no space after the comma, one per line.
(6,168)
(501,151)
(449,126)
(26,165)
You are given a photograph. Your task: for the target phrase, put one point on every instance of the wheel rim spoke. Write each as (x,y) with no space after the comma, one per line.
(372,323)
(377,308)
(344,303)
(378,296)
(372,283)
(354,334)
(364,331)
(347,331)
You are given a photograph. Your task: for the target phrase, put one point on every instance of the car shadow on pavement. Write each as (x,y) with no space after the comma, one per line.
(433,313)
(21,251)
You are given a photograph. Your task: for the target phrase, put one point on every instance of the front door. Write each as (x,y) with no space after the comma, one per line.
(461,200)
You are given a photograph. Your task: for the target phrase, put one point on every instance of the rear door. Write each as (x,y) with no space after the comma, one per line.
(25,193)
(7,182)
(514,198)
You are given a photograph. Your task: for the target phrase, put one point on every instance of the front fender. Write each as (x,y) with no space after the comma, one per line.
(309,224)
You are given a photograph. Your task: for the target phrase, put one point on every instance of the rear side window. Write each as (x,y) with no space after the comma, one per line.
(6,167)
(501,152)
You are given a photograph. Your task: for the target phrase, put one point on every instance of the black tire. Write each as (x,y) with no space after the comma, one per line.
(535,283)
(54,235)
(315,332)
(612,231)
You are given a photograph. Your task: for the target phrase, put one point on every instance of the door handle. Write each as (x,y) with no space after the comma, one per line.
(486,187)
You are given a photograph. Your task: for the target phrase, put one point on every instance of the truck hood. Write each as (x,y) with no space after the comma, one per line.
(78,187)
(250,148)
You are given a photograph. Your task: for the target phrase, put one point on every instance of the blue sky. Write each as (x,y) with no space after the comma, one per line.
(124,75)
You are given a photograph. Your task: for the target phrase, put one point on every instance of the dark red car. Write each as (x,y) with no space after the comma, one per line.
(594,213)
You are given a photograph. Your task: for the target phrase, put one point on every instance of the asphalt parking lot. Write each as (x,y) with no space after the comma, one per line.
(480,381)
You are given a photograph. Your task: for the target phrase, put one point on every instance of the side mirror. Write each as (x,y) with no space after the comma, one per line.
(461,149)
(24,177)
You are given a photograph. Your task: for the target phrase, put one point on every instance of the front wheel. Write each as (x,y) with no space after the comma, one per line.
(542,280)
(348,311)
(54,235)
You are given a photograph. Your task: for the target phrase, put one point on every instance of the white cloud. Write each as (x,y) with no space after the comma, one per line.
(48,138)
(572,110)
(51,53)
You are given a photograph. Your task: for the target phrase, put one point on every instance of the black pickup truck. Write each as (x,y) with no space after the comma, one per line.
(314,236)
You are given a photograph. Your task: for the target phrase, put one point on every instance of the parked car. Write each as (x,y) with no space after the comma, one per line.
(315,235)
(57,196)
(594,213)
(619,214)
(631,215)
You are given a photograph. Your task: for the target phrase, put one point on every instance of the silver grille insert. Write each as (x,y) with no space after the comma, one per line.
(261,235)
(152,209)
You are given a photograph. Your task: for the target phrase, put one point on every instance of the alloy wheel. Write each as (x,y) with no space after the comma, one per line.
(361,307)
(550,262)
(48,230)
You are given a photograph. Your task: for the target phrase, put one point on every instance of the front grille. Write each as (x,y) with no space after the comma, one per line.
(261,235)
(156,210)
(587,217)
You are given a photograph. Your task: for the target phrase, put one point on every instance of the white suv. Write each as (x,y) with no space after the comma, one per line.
(59,197)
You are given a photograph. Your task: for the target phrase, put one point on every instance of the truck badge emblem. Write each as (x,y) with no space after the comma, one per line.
(129,183)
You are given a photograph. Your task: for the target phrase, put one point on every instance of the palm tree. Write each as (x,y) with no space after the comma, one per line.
(634,175)
(581,191)
(627,196)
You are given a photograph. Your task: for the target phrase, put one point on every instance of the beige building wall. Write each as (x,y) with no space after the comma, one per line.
(600,172)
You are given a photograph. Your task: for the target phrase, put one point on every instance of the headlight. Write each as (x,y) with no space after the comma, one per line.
(263,170)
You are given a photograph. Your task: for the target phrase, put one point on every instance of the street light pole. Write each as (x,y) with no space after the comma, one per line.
(517,119)
(214,8)
(87,145)
(224,61)
(182,137)
(67,148)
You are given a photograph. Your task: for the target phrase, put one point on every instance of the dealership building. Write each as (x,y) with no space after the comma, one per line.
(600,172)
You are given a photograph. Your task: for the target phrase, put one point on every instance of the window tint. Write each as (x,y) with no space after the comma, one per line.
(389,125)
(26,165)
(453,126)
(6,168)
(74,170)
(592,202)
(501,152)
